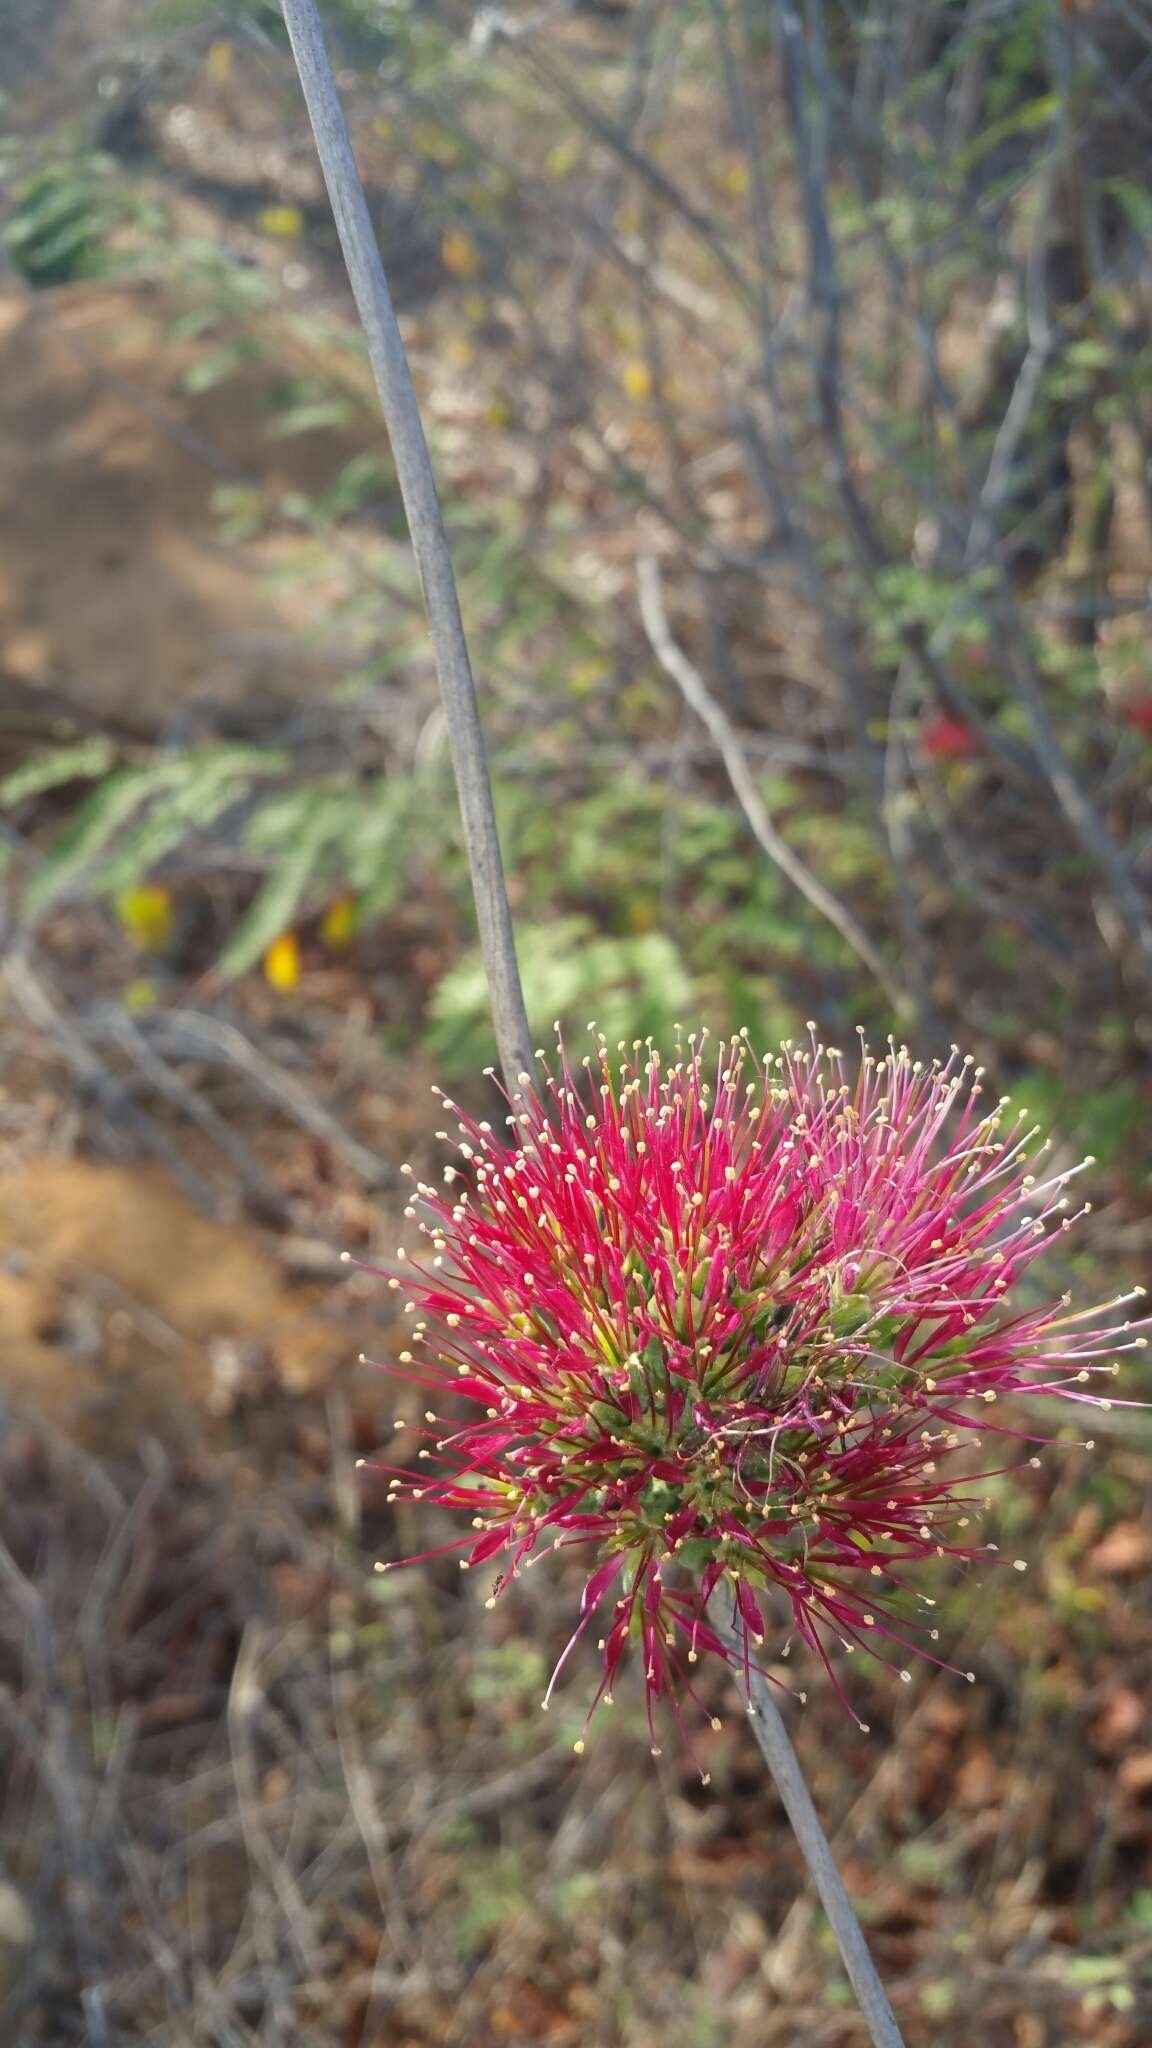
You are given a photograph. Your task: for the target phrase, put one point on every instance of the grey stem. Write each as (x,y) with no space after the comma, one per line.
(426,525)
(781,1759)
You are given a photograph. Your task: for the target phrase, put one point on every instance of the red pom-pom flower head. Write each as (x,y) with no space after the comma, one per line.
(730,1326)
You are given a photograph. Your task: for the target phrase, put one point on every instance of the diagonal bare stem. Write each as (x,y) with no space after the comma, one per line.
(782,1761)
(426,525)
(696,693)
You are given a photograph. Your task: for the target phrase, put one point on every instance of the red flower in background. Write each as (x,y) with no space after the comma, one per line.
(1138,714)
(729,1335)
(945,738)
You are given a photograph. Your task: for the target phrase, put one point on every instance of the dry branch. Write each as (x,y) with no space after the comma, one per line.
(697,695)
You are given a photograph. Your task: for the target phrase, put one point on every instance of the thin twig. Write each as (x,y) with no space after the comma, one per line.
(426,525)
(245,1700)
(50,1745)
(650,174)
(358,1781)
(1026,390)
(825,297)
(193,1035)
(781,1759)
(696,693)
(168,1084)
(105,1088)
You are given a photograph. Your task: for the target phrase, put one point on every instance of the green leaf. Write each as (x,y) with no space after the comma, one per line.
(81,762)
(632,985)
(311,415)
(218,365)
(104,812)
(1095,1969)
(210,784)
(1136,202)
(68,253)
(1025,120)
(280,898)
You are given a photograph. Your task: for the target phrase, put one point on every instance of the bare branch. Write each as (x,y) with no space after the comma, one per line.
(191,1035)
(104,1088)
(696,693)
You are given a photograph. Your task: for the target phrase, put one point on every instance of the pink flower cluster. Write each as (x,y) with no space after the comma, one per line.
(730,1329)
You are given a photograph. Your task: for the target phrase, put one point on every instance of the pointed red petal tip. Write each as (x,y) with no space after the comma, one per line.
(721,1323)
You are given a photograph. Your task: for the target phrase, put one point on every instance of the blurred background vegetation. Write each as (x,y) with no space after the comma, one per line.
(786,365)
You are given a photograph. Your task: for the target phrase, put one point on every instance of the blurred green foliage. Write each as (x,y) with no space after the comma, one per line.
(63,218)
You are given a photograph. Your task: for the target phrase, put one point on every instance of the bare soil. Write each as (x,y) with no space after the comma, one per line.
(115,588)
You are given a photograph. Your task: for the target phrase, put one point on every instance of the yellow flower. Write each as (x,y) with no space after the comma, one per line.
(338,925)
(637,380)
(587,675)
(147,914)
(436,143)
(282,963)
(284,221)
(563,158)
(458,254)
